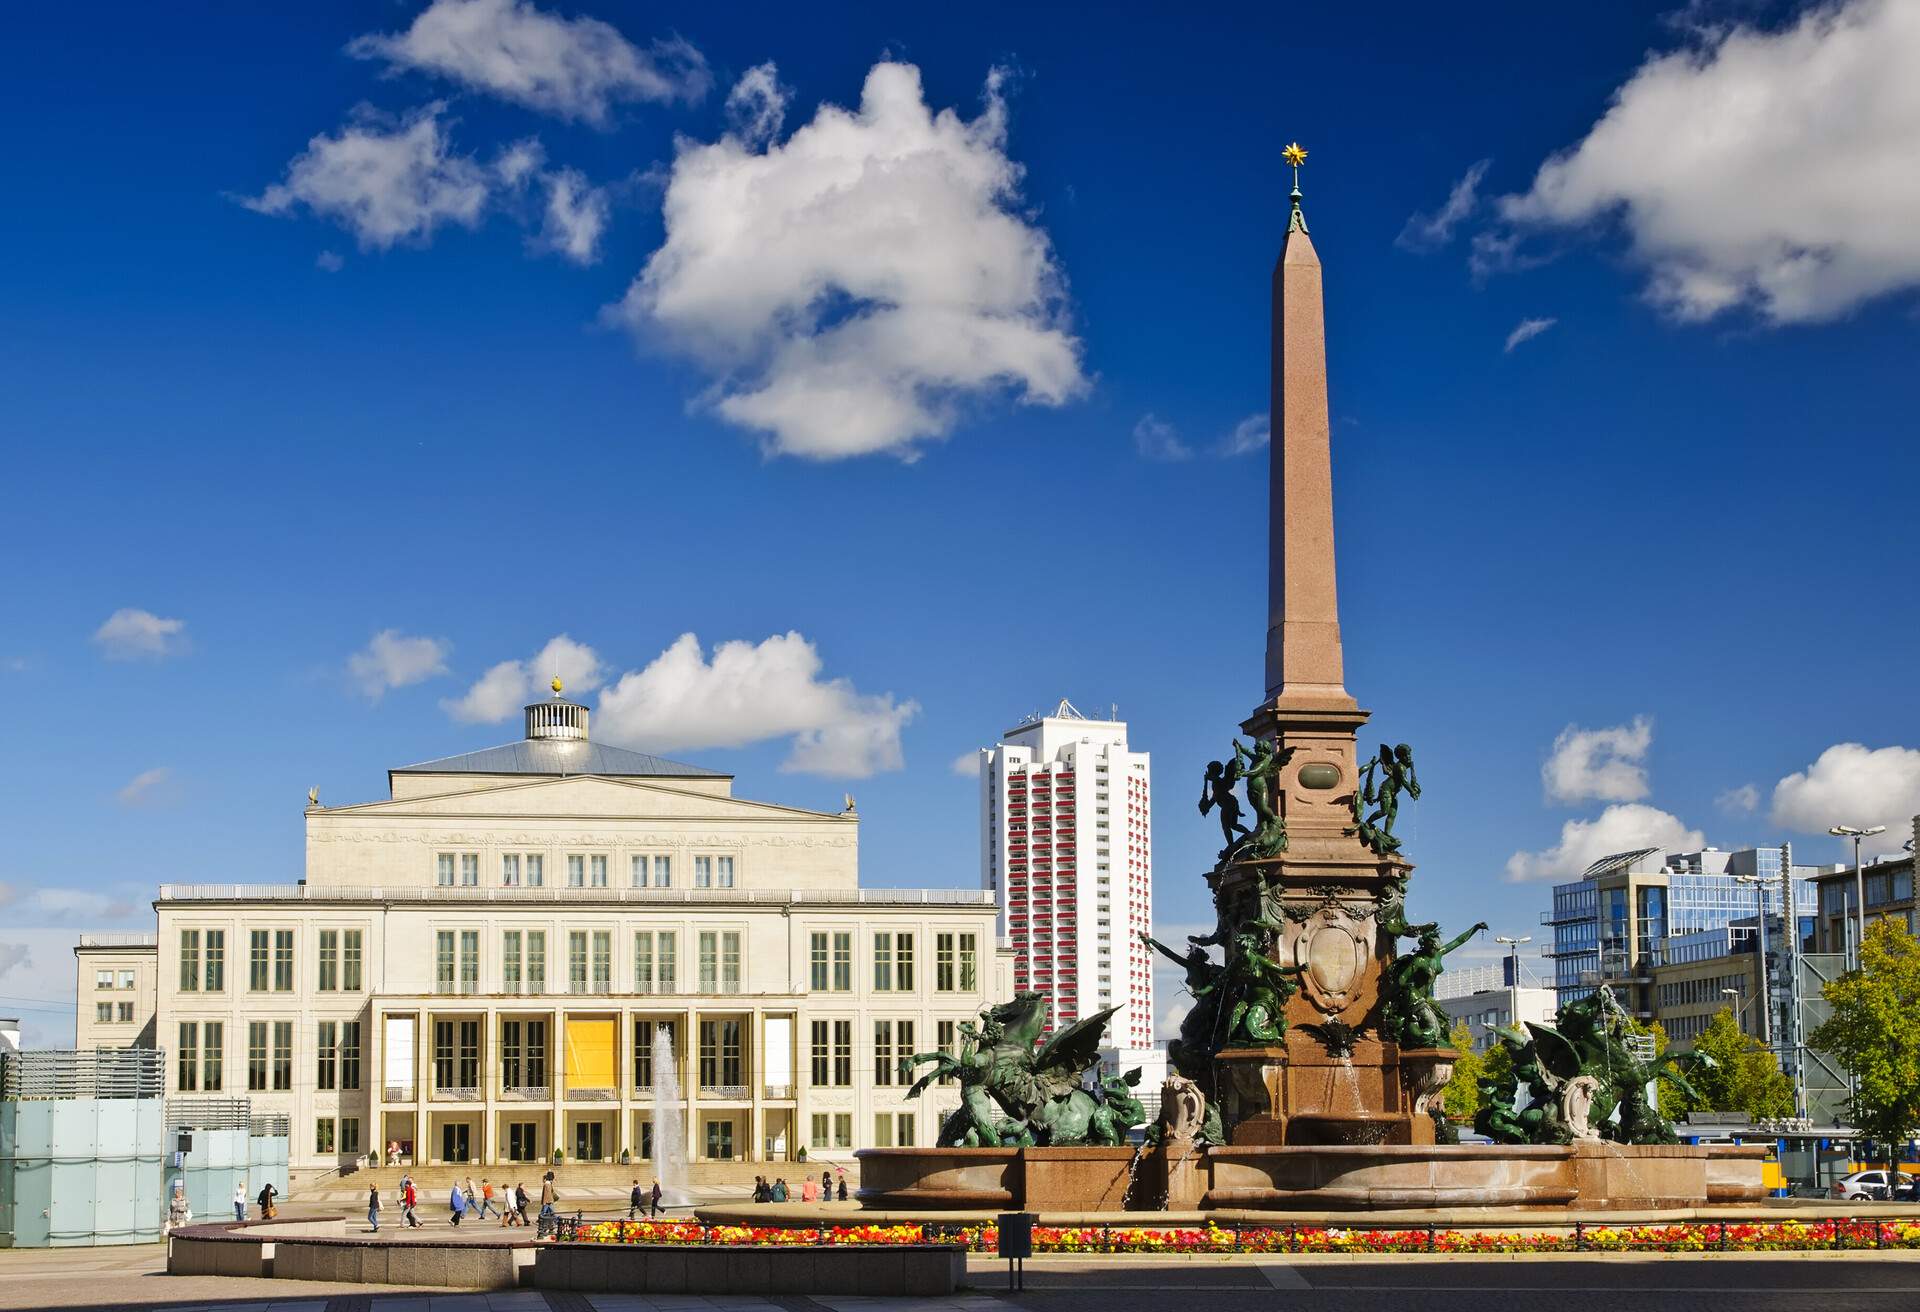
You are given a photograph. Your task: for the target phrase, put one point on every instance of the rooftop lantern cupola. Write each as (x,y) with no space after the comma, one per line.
(557,718)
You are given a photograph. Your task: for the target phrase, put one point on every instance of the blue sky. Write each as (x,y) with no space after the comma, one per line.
(314,331)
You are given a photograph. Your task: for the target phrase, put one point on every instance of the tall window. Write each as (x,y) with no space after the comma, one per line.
(903,963)
(667,966)
(820,1130)
(883,962)
(720,1058)
(576,870)
(883,1129)
(536,961)
(943,972)
(730,961)
(323,1135)
(350,1057)
(523,1054)
(329,960)
(469,961)
(443,1057)
(536,870)
(470,869)
(822,1061)
(639,864)
(189,960)
(723,871)
(645,1034)
(843,963)
(510,961)
(283,1054)
(510,870)
(189,1075)
(663,872)
(259,956)
(283,961)
(643,961)
(709,962)
(946,1034)
(883,1052)
(597,870)
(602,961)
(216,976)
(703,872)
(843,1053)
(256,1055)
(969,952)
(817,977)
(443,962)
(350,1136)
(443,870)
(326,1060)
(843,1130)
(350,961)
(213,1053)
(468,1070)
(577,961)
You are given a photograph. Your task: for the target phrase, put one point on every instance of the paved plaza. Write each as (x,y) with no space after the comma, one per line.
(75,1279)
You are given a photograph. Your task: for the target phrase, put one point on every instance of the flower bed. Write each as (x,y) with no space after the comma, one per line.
(1688,1237)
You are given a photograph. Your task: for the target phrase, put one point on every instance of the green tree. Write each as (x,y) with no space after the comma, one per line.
(1875,1033)
(1462,1094)
(1673,1103)
(1744,1076)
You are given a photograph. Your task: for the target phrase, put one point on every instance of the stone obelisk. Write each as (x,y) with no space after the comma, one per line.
(1307,706)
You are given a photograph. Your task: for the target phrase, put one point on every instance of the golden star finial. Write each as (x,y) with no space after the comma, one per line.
(1293,154)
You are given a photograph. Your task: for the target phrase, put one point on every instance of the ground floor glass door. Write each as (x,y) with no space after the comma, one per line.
(455,1142)
(589,1141)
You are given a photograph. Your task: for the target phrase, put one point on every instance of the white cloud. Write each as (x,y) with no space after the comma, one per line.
(751,693)
(1772,169)
(1852,784)
(967,764)
(1156,439)
(148,788)
(1427,232)
(1526,330)
(329,262)
(1250,434)
(851,287)
(577,68)
(385,180)
(1621,828)
(132,634)
(392,659)
(510,685)
(574,218)
(757,105)
(1603,764)
(1744,800)
(13,955)
(71,906)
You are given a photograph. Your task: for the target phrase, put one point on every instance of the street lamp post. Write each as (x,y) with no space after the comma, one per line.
(1859,882)
(1513,953)
(1766,975)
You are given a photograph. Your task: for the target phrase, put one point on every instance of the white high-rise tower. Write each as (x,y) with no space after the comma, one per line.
(1066,847)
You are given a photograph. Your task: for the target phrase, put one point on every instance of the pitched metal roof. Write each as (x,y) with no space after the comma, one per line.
(538,756)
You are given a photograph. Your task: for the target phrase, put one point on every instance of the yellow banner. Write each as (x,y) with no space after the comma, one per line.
(590,1054)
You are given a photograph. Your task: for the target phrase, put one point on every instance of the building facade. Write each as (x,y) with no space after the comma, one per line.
(1889,890)
(558,946)
(1066,850)
(116,989)
(1612,925)
(1493,997)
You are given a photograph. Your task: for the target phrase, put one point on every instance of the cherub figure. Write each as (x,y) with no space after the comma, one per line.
(1216,792)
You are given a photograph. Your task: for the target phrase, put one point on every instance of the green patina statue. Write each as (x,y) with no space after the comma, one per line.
(1408,1014)
(1216,793)
(1039,1091)
(1382,780)
(1392,913)
(1257,989)
(1260,767)
(1192,1052)
(1581,1078)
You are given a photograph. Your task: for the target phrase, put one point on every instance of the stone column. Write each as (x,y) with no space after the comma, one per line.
(690,1082)
(755,1070)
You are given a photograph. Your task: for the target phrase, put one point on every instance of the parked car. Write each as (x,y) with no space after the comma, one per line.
(1871,1185)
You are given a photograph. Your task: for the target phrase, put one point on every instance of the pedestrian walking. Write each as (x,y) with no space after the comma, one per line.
(826,1185)
(843,1186)
(267,1194)
(409,1199)
(636,1201)
(654,1199)
(809,1191)
(520,1200)
(473,1197)
(457,1204)
(486,1200)
(240,1201)
(179,1213)
(548,1196)
(373,1207)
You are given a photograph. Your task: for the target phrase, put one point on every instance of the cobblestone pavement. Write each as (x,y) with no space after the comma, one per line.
(134,1277)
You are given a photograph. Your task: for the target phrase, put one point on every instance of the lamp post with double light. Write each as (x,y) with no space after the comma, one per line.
(1859,882)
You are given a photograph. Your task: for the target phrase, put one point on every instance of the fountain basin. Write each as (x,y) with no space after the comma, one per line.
(1369,1176)
(1029,1179)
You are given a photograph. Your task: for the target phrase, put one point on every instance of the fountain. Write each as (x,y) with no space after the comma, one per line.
(669,1129)
(1311,1066)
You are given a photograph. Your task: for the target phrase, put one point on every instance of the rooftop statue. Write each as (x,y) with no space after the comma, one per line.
(1039,1091)
(1408,1014)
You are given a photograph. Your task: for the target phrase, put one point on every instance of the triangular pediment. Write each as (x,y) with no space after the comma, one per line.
(584,796)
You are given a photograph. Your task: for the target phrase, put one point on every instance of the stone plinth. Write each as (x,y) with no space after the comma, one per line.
(1076,1179)
(939,1177)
